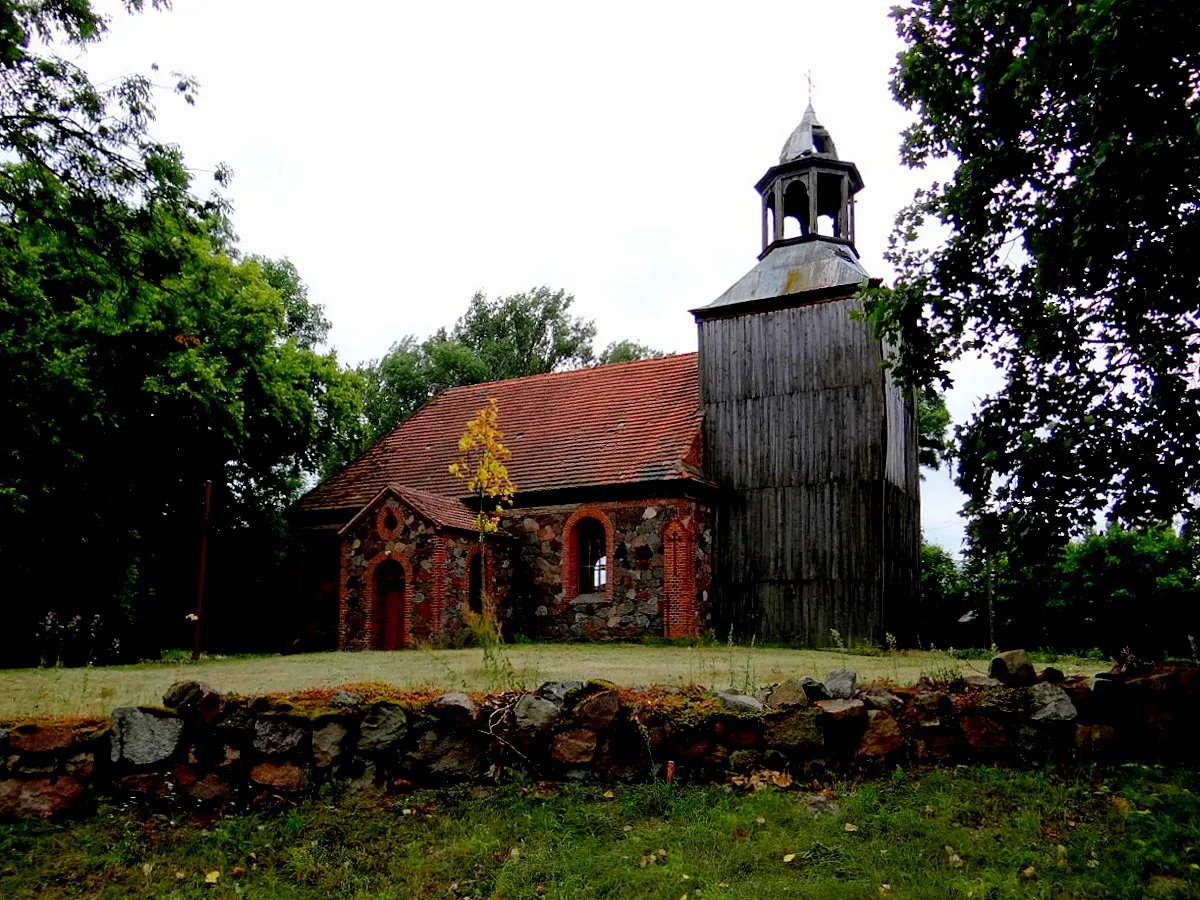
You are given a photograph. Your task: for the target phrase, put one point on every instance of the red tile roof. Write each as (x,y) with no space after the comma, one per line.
(444,511)
(622,423)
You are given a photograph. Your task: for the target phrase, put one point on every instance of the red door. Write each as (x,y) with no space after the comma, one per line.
(389,593)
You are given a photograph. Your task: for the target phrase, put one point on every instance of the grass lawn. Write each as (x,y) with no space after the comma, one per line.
(96,691)
(956,833)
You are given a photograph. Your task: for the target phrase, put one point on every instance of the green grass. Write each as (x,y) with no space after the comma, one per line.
(1131,833)
(95,691)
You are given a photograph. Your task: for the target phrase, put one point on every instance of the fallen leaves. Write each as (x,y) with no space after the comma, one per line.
(650,859)
(212,877)
(761,779)
(849,828)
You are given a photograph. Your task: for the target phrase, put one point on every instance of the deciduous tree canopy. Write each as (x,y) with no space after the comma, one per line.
(1070,225)
(140,355)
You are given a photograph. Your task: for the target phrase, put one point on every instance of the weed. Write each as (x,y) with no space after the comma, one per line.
(742,679)
(941,675)
(836,637)
(498,668)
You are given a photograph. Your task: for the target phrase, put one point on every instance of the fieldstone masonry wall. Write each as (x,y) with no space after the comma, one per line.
(642,592)
(203,750)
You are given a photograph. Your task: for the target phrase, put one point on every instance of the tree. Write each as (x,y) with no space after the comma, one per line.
(304,321)
(393,386)
(481,467)
(626,351)
(933,422)
(140,357)
(1069,224)
(943,598)
(525,334)
(1132,588)
(1108,590)
(399,382)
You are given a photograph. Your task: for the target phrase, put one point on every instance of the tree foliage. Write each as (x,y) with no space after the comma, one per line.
(626,351)
(934,445)
(140,356)
(1070,223)
(1107,590)
(481,466)
(943,597)
(525,334)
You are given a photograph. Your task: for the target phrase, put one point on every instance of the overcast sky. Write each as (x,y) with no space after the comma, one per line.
(404,155)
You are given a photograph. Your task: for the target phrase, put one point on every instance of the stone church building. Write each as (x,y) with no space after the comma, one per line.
(767,484)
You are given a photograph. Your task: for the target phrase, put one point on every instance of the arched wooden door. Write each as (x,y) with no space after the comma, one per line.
(389,594)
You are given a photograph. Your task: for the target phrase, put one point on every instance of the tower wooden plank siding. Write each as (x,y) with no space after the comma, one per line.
(815,449)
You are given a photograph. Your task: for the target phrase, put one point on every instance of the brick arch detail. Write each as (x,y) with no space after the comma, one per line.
(570,564)
(374,626)
(679,580)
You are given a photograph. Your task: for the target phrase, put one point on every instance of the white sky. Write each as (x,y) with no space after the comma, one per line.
(404,155)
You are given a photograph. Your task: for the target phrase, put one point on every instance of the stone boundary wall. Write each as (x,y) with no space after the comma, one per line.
(204,751)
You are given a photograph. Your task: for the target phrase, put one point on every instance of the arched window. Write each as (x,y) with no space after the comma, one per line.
(591,556)
(587,553)
(795,210)
(389,600)
(475,583)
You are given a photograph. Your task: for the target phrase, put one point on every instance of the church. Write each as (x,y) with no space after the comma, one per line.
(766,486)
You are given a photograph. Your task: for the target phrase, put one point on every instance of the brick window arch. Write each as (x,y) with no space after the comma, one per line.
(582,530)
(679,581)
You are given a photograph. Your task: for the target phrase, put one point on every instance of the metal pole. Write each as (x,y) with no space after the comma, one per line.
(203,564)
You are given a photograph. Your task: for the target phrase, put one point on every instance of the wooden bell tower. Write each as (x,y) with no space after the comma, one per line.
(814,448)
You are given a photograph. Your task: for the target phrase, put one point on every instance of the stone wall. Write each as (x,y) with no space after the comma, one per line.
(540,603)
(207,751)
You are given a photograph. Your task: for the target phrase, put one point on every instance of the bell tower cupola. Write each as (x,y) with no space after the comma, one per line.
(810,194)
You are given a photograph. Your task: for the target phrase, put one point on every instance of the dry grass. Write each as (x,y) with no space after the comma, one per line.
(95,692)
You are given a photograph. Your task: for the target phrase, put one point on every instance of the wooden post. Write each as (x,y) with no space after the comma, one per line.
(203,564)
(991,602)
